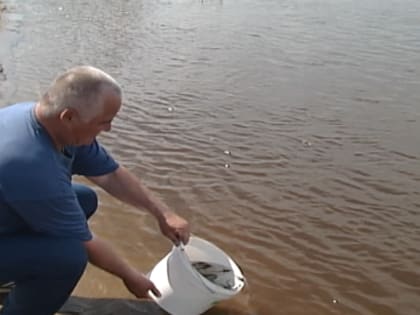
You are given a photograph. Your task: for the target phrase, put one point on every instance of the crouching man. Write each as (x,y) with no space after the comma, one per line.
(45,241)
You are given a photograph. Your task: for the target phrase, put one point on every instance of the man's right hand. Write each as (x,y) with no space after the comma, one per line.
(102,255)
(138,284)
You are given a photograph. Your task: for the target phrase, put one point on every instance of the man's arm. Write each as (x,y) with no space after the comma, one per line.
(103,256)
(128,188)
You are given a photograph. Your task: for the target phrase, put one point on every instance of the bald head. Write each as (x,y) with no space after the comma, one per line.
(81,88)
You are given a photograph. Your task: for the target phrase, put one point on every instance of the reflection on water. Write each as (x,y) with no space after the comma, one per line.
(286,131)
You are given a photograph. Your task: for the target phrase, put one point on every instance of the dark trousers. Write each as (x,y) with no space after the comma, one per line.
(44,269)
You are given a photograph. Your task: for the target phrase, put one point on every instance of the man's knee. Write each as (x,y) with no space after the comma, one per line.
(68,259)
(41,256)
(87,198)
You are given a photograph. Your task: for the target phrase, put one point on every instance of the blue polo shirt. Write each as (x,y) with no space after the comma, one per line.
(35,178)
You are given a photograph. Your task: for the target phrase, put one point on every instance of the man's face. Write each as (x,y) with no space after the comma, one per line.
(84,133)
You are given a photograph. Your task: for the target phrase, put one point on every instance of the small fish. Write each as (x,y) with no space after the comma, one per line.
(217,274)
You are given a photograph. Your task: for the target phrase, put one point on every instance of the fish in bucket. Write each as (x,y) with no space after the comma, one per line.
(194,277)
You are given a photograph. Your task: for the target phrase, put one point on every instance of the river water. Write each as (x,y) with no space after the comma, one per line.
(286,131)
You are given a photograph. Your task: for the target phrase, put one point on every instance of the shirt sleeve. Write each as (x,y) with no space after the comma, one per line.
(60,217)
(93,160)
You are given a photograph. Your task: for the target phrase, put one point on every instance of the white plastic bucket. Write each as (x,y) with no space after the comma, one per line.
(184,290)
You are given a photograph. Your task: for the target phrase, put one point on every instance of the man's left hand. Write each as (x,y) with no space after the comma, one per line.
(175,228)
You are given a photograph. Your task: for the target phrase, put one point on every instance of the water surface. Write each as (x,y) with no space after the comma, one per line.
(287,132)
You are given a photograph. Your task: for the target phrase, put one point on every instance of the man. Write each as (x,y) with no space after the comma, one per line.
(45,241)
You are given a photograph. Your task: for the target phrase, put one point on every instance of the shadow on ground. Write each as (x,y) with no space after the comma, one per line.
(106,306)
(117,306)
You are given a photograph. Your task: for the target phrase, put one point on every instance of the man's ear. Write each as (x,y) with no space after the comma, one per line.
(67,115)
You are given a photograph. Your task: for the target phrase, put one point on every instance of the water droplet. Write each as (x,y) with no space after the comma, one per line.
(227,165)
(227,152)
(60,8)
(170,109)
(306,142)
(334,301)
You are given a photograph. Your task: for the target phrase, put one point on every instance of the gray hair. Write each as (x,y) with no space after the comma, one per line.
(80,88)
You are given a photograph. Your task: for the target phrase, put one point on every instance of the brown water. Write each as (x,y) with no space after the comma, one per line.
(287,132)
